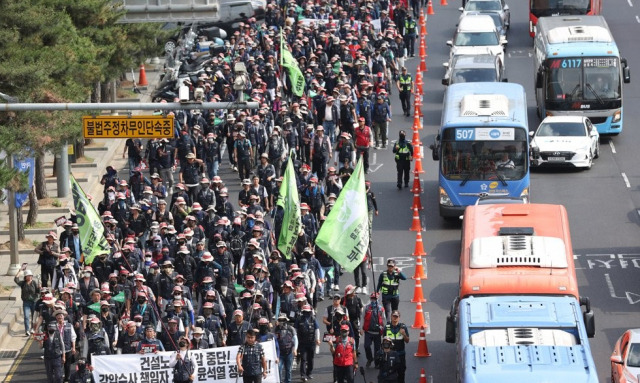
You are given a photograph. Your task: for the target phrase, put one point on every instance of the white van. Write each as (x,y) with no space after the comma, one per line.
(477,34)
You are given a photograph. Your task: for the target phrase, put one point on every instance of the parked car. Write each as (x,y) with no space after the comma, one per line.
(498,6)
(565,141)
(474,68)
(477,34)
(625,359)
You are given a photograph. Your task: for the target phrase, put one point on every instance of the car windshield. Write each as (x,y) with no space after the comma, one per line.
(484,160)
(476,39)
(633,360)
(561,129)
(474,75)
(542,8)
(483,6)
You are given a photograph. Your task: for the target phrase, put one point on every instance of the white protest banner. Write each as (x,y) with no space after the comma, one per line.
(212,365)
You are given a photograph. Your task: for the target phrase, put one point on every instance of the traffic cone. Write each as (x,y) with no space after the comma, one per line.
(142,79)
(415,224)
(416,202)
(423,47)
(418,166)
(420,272)
(419,83)
(423,63)
(416,136)
(423,27)
(417,292)
(430,9)
(416,184)
(421,18)
(423,351)
(418,322)
(419,248)
(423,376)
(443,3)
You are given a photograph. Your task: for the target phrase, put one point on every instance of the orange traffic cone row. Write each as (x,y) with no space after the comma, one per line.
(418,296)
(444,3)
(416,202)
(420,272)
(417,188)
(430,8)
(419,322)
(419,248)
(418,167)
(423,351)
(421,18)
(142,79)
(419,84)
(416,225)
(423,376)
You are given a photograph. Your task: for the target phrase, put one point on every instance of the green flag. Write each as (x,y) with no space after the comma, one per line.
(290,203)
(345,233)
(295,74)
(95,307)
(91,229)
(119,298)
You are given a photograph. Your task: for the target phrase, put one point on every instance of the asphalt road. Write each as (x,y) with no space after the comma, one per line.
(603,205)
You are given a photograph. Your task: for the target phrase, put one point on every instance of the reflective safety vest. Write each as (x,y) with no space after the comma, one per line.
(343,355)
(396,337)
(405,82)
(410,26)
(389,285)
(403,152)
(251,359)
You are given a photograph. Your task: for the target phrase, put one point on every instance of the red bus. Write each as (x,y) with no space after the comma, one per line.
(542,8)
(517,249)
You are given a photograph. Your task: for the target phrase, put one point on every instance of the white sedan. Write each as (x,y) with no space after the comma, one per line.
(565,141)
(625,359)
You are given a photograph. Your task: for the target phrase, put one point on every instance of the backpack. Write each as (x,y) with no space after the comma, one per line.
(236,245)
(371,320)
(183,370)
(285,340)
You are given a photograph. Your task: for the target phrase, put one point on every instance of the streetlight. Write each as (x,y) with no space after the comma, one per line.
(14,264)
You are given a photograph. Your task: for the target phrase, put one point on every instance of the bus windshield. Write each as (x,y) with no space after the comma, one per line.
(484,160)
(583,79)
(476,39)
(541,8)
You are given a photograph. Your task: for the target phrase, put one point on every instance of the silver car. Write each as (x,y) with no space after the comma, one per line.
(474,68)
(487,6)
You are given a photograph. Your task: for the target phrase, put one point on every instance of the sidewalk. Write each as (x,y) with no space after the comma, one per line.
(88,172)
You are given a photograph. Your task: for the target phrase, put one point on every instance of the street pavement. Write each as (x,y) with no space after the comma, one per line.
(603,205)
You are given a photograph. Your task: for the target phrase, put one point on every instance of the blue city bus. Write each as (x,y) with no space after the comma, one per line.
(483,145)
(524,339)
(579,71)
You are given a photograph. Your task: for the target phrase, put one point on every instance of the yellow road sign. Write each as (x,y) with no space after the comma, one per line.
(127,127)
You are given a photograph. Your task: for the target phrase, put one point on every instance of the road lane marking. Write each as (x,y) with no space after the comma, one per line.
(612,291)
(613,148)
(630,3)
(638,19)
(626,180)
(17,362)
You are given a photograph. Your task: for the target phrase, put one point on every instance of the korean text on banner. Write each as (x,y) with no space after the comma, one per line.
(91,229)
(289,201)
(345,233)
(211,365)
(295,74)
(127,127)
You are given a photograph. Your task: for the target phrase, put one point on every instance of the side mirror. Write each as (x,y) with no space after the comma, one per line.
(445,82)
(450,332)
(505,80)
(531,133)
(503,41)
(539,80)
(450,43)
(446,65)
(506,7)
(626,72)
(461,9)
(616,359)
(590,323)
(434,150)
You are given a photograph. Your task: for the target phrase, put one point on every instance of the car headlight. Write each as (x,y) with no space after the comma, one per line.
(444,198)
(525,194)
(617,116)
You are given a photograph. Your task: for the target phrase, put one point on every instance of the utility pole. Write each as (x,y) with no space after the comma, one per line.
(62,164)
(14,263)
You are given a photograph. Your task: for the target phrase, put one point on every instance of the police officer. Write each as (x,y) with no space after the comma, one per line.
(403,155)
(388,284)
(399,335)
(54,353)
(345,359)
(410,34)
(287,346)
(252,364)
(82,374)
(389,362)
(405,84)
